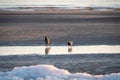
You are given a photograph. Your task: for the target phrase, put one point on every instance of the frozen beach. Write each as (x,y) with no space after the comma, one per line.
(59,50)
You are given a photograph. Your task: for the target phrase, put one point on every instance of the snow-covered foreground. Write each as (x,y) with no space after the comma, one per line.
(50,72)
(91,49)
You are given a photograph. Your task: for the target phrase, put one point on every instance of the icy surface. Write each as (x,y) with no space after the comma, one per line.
(50,72)
(94,49)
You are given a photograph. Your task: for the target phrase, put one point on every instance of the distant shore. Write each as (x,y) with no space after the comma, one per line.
(53,10)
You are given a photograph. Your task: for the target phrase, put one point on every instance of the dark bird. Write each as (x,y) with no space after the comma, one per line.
(47,40)
(70,43)
(48,47)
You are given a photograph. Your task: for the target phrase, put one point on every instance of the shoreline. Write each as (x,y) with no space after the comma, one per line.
(56,11)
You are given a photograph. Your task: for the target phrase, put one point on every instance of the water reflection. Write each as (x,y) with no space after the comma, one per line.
(70,50)
(47,50)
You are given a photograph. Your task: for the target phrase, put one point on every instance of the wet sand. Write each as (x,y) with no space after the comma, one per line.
(82,27)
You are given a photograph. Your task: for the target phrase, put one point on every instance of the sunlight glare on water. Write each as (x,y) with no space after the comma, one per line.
(91,49)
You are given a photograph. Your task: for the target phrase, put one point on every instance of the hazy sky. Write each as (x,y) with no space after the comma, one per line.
(60,2)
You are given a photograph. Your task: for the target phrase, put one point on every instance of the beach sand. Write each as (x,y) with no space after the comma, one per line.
(87,27)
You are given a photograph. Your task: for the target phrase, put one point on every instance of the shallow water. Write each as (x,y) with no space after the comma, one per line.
(90,49)
(83,28)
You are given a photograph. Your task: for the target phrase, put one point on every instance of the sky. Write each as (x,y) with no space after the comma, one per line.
(83,3)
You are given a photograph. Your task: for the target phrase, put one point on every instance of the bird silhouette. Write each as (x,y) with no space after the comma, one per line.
(70,44)
(47,41)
